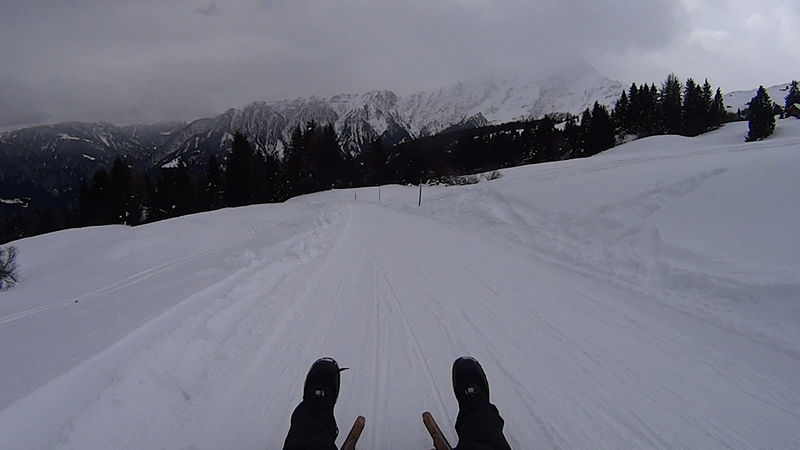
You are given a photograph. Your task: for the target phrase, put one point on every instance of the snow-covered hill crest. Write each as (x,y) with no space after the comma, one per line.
(738,100)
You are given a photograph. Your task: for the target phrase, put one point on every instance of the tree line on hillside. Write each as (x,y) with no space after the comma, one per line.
(314,159)
(688,109)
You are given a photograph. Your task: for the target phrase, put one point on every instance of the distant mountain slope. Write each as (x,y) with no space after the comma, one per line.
(569,91)
(46,162)
(42,165)
(738,99)
(360,118)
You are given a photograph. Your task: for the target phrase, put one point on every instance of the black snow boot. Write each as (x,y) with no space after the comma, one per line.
(469,382)
(322,383)
(313,425)
(479,425)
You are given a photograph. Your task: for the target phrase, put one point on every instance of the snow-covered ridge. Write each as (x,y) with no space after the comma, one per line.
(738,100)
(360,118)
(569,91)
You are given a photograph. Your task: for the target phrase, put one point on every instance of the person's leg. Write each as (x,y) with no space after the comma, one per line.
(311,428)
(313,425)
(479,425)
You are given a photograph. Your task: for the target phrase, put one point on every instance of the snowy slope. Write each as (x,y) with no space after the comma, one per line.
(645,297)
(737,100)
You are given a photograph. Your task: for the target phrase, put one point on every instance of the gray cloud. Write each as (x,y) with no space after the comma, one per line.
(208,10)
(146,60)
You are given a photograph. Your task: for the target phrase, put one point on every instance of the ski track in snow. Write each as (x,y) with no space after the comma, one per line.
(567,310)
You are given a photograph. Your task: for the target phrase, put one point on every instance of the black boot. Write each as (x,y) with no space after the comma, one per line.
(322,383)
(313,424)
(469,383)
(479,425)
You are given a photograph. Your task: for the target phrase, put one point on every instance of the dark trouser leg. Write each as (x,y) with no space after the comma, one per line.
(311,429)
(480,427)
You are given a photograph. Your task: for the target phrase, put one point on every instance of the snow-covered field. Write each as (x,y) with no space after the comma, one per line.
(645,297)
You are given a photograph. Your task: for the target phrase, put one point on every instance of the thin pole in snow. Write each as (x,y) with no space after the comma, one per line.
(420,195)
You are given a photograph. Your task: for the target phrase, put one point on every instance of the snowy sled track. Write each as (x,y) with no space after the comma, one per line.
(197,332)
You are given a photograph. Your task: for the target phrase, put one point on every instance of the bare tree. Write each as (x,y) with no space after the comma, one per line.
(8,266)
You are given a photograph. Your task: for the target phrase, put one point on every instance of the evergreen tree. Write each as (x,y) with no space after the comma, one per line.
(212,195)
(760,117)
(582,141)
(572,136)
(717,113)
(644,106)
(543,139)
(651,110)
(84,204)
(621,113)
(472,154)
(792,97)
(670,105)
(314,160)
(298,176)
(269,177)
(175,193)
(148,190)
(122,208)
(634,114)
(185,199)
(327,163)
(239,185)
(373,161)
(600,131)
(98,207)
(708,104)
(694,110)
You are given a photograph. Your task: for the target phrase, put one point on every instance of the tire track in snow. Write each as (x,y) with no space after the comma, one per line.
(19,315)
(417,346)
(415,340)
(262,385)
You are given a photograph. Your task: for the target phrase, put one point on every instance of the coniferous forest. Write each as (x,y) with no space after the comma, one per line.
(314,160)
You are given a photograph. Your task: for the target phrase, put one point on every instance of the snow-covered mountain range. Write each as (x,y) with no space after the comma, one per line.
(360,118)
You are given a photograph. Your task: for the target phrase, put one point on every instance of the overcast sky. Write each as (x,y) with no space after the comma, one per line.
(129,61)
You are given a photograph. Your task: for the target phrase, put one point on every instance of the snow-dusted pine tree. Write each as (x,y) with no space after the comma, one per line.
(760,116)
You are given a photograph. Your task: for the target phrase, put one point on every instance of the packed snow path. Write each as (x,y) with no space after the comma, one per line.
(198,332)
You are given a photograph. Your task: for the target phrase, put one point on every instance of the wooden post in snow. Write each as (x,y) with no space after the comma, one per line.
(420,195)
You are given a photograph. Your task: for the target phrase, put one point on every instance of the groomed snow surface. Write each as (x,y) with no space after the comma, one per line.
(646,297)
